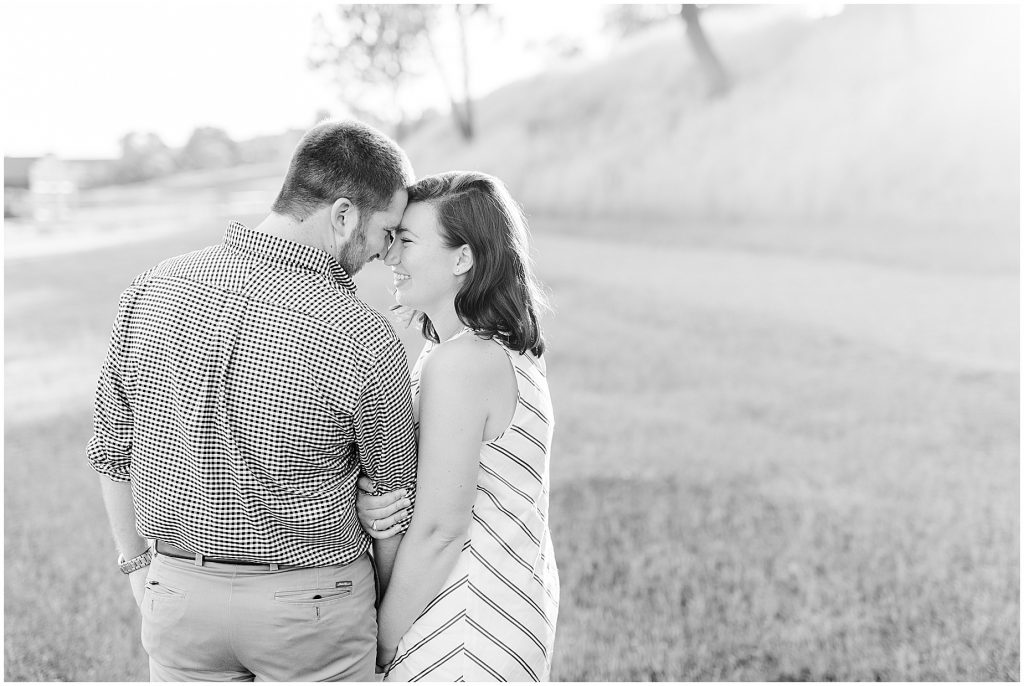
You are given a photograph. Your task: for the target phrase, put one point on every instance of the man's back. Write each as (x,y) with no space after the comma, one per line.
(257,385)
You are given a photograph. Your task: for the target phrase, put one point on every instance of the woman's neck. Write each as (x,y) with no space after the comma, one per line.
(446,321)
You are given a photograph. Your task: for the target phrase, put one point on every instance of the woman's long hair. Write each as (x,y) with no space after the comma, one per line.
(500,297)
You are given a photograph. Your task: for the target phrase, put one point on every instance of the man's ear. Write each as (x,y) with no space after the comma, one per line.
(463,261)
(344,217)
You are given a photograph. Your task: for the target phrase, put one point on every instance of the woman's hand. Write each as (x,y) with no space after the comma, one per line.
(405,316)
(385,658)
(381,516)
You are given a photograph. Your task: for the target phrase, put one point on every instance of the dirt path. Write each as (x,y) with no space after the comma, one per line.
(967,320)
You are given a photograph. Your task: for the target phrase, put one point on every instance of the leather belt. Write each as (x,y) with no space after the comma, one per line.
(200,560)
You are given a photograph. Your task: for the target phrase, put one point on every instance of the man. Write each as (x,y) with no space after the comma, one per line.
(245,390)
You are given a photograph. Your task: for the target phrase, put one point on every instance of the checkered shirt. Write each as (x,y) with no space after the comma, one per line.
(244,390)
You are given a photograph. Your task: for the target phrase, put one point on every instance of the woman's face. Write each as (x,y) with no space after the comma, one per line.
(424,269)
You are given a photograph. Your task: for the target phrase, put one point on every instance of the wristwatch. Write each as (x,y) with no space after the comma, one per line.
(136,563)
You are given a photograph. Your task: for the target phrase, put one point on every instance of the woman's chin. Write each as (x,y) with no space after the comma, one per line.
(402,298)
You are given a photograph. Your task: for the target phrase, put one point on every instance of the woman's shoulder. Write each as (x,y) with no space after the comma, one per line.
(469,359)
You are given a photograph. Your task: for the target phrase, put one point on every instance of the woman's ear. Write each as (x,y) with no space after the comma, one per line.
(463,261)
(344,216)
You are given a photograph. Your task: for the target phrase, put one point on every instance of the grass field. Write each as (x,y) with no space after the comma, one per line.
(733,498)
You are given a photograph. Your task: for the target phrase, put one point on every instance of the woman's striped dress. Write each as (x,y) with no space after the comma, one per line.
(494,619)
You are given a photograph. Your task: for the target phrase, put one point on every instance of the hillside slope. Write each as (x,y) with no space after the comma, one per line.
(898,119)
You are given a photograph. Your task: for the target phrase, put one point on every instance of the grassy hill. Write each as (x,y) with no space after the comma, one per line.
(885,134)
(882,133)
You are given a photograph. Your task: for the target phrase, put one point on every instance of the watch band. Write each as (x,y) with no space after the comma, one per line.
(136,563)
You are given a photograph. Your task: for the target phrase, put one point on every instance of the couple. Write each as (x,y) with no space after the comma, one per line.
(257,432)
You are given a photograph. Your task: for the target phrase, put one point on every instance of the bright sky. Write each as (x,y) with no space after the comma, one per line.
(79,75)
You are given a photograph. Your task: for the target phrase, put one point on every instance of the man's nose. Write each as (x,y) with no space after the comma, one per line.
(392,254)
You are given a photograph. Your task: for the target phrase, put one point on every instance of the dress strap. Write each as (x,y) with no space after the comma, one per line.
(465,330)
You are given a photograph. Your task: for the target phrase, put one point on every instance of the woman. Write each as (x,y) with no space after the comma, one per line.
(474,592)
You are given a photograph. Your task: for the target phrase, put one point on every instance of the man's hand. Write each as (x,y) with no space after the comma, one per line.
(117,498)
(380,515)
(138,581)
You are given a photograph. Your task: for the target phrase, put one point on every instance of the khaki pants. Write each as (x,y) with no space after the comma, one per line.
(226,623)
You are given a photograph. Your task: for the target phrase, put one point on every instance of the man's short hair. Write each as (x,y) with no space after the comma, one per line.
(343,159)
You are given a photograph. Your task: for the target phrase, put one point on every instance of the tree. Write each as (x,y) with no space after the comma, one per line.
(209,148)
(714,73)
(143,156)
(372,53)
(627,20)
(460,97)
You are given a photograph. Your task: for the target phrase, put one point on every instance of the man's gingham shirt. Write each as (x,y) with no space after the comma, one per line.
(244,390)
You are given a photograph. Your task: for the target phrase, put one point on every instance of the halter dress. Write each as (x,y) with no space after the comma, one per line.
(494,618)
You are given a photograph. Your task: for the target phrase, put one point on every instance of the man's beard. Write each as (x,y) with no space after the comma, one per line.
(353,251)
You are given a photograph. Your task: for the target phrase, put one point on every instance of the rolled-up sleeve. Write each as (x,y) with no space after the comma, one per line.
(109,449)
(383,424)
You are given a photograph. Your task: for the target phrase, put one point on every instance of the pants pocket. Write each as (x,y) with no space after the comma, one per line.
(163,609)
(315,596)
(164,603)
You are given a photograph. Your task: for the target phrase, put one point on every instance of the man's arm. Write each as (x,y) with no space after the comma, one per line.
(109,449)
(117,497)
(383,425)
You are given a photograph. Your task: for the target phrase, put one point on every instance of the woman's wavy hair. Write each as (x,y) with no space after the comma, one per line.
(500,298)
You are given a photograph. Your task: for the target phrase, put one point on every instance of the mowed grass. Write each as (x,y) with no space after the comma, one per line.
(732,498)
(737,500)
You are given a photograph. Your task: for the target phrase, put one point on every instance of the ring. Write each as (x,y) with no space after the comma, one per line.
(373,525)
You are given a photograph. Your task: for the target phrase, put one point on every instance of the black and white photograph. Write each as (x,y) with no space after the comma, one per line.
(525,342)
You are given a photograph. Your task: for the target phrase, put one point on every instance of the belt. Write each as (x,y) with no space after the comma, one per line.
(200,560)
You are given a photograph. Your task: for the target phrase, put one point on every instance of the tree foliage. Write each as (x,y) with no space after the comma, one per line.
(627,20)
(374,55)
(143,156)
(208,148)
(371,53)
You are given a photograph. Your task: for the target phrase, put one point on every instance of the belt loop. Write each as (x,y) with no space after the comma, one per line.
(199,559)
(274,566)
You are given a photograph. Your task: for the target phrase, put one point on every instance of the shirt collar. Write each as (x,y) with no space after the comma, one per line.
(289,253)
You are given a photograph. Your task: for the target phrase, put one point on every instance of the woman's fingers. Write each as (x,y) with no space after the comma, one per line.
(372,523)
(403,315)
(380,506)
(387,527)
(381,515)
(365,520)
(397,507)
(365,484)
